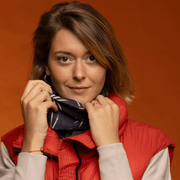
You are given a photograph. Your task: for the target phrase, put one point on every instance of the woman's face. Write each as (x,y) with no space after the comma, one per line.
(74,71)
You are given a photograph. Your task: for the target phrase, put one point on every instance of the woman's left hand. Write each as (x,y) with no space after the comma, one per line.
(103,116)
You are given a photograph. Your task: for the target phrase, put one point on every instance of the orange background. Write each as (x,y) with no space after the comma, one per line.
(149,34)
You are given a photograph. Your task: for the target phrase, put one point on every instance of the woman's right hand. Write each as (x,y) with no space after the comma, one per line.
(35,103)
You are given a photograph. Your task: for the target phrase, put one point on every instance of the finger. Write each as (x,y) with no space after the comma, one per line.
(101,99)
(113,104)
(31,84)
(42,96)
(50,105)
(109,100)
(89,107)
(41,86)
(94,102)
(35,90)
(41,99)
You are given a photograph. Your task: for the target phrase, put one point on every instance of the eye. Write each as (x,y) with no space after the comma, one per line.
(91,58)
(63,59)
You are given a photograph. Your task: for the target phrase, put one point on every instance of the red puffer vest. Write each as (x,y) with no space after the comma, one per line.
(76,157)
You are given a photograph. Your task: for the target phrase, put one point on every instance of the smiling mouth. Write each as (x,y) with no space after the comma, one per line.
(79,89)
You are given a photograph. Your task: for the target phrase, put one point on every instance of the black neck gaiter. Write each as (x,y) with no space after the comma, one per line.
(70,119)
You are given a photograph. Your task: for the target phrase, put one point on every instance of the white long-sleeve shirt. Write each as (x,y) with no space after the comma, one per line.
(113,164)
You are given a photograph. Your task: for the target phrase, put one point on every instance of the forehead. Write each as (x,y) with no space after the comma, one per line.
(66,40)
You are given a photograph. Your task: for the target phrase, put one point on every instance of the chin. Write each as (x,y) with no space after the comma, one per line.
(83,100)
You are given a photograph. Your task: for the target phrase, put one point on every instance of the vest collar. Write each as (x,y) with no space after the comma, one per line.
(52,142)
(86,138)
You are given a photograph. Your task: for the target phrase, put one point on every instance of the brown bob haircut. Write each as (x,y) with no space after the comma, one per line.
(96,34)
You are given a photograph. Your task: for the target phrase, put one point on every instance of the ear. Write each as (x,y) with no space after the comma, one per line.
(47,71)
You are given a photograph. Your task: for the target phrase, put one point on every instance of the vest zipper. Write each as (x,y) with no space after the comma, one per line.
(80,161)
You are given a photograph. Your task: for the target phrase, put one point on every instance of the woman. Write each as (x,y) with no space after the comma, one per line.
(75,117)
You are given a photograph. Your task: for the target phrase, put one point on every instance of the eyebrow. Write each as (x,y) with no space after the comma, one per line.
(69,53)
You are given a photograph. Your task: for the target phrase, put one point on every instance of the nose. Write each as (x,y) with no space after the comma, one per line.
(78,73)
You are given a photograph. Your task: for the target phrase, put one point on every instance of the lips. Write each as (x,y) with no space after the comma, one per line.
(79,89)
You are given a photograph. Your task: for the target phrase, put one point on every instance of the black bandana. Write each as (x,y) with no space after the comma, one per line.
(71,118)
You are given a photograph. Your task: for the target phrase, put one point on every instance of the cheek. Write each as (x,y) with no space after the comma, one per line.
(59,76)
(99,76)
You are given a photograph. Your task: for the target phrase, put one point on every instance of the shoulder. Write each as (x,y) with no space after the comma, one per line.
(15,136)
(11,136)
(146,130)
(148,137)
(142,127)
